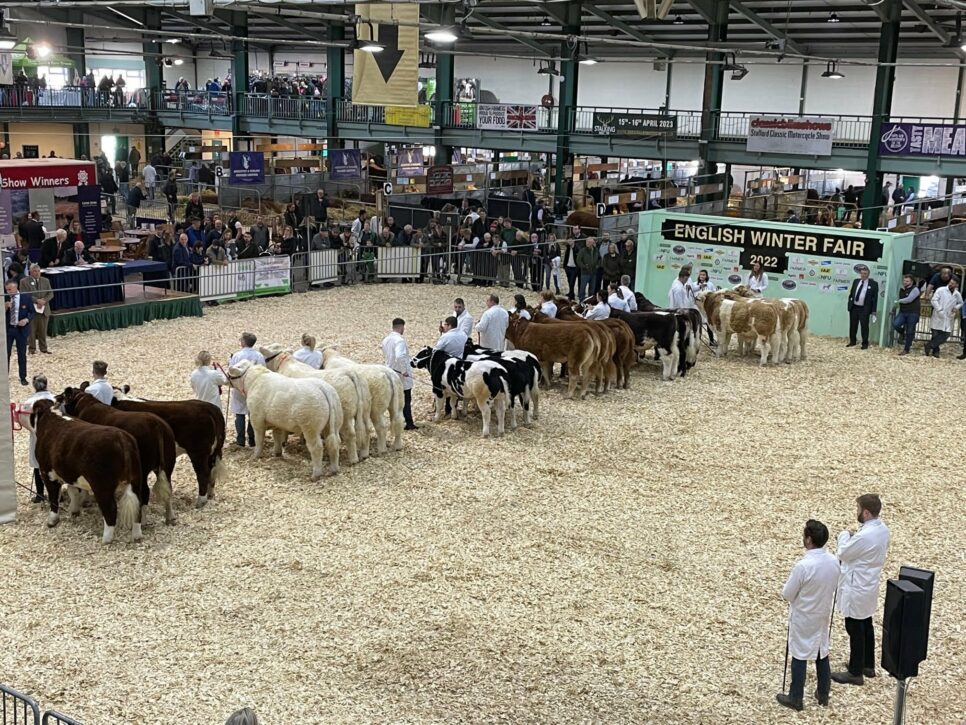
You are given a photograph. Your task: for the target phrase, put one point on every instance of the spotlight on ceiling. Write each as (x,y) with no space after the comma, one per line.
(427,60)
(678,20)
(588,61)
(547,70)
(833,17)
(832,71)
(442,35)
(738,73)
(545,23)
(173,41)
(371,45)
(179,61)
(168,62)
(42,50)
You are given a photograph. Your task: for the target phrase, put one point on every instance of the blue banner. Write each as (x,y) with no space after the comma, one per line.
(246,167)
(6,212)
(922,139)
(89,212)
(345,164)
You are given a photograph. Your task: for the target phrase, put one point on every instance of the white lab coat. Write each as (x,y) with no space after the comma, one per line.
(308,356)
(549,309)
(238,404)
(26,408)
(629,297)
(524,314)
(679,297)
(102,390)
(617,303)
(453,343)
(758,284)
(396,352)
(464,323)
(945,306)
(600,311)
(809,591)
(205,382)
(492,328)
(862,557)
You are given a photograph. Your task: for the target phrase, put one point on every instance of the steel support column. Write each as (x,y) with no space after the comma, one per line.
(443,107)
(881,106)
(75,42)
(960,79)
(238,27)
(153,51)
(566,106)
(717,12)
(335,86)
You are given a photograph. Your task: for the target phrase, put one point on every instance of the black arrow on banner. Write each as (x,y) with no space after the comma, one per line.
(390,56)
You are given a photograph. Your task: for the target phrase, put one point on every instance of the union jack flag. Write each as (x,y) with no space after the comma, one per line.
(521,118)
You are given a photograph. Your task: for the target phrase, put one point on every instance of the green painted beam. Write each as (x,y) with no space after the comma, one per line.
(335,85)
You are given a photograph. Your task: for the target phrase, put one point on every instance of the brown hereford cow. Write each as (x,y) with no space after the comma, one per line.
(571,343)
(624,355)
(154,437)
(102,460)
(199,432)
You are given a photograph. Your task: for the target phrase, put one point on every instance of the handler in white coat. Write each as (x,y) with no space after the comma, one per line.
(863,556)
(396,353)
(238,404)
(39,383)
(206,381)
(680,297)
(307,353)
(492,325)
(809,591)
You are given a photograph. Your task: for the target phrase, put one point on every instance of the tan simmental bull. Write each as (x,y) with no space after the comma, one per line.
(751,320)
(570,343)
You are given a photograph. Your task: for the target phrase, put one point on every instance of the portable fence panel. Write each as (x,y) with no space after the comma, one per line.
(515,209)
(300,272)
(52,717)
(17,708)
(397,262)
(415,215)
(226,282)
(323,266)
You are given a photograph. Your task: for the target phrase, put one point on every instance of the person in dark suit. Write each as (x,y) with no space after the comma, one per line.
(18,310)
(78,256)
(863,304)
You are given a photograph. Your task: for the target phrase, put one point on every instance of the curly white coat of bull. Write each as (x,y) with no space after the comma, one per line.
(305,406)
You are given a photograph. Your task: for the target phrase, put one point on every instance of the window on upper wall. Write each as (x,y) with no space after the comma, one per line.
(56,76)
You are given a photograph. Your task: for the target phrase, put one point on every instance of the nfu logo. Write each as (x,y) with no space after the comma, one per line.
(895,139)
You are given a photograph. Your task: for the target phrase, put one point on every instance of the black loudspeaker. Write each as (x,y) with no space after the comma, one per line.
(924,579)
(903,636)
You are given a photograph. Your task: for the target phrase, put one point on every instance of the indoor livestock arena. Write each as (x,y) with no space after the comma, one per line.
(586,361)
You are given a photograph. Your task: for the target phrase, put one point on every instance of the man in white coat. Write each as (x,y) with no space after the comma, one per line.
(946,303)
(396,352)
(863,556)
(680,295)
(810,591)
(492,325)
(238,404)
(99,387)
(464,320)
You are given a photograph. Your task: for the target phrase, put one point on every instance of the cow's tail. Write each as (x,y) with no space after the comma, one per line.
(395,408)
(128,508)
(362,413)
(332,440)
(166,449)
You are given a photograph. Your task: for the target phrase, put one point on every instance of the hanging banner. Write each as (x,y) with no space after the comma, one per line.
(403,116)
(6,213)
(915,139)
(797,135)
(635,125)
(498,117)
(246,167)
(44,174)
(410,162)
(391,76)
(345,164)
(439,180)
(42,202)
(89,211)
(6,69)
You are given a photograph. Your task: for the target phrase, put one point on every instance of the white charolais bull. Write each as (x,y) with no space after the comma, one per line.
(304,406)
(352,391)
(386,390)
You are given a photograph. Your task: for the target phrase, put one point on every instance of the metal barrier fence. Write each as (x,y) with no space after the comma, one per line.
(52,717)
(199,102)
(17,708)
(291,108)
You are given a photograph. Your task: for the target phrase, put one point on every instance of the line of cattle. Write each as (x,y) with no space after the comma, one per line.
(110,450)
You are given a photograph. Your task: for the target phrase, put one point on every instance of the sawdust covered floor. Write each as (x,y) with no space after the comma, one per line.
(619,562)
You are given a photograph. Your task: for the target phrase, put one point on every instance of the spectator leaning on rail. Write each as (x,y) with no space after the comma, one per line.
(206,380)
(396,353)
(237,401)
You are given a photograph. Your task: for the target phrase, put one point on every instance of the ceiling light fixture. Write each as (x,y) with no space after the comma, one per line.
(371,45)
(42,50)
(833,17)
(547,70)
(179,61)
(442,35)
(545,23)
(168,62)
(678,20)
(173,41)
(832,71)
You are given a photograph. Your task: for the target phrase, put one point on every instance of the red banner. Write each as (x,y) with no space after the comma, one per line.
(18,174)
(439,180)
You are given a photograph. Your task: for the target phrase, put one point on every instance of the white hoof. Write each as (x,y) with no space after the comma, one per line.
(52,519)
(201,502)
(136,532)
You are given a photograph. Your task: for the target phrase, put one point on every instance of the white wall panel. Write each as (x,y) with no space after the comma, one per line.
(772,87)
(511,80)
(687,86)
(621,85)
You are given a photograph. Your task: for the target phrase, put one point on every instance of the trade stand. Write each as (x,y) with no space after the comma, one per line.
(813,263)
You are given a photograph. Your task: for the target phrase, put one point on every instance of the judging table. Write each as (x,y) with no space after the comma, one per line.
(152,273)
(96,284)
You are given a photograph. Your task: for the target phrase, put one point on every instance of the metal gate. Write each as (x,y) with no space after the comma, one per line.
(17,708)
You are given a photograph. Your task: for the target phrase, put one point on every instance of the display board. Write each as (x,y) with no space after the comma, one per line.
(813,263)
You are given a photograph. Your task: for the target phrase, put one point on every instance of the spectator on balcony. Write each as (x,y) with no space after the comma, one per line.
(119,84)
(150,178)
(194,209)
(213,85)
(182,85)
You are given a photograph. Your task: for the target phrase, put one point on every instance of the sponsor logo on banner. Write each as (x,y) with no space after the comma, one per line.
(634,124)
(439,180)
(401,116)
(411,162)
(345,164)
(391,76)
(913,139)
(805,136)
(246,167)
(496,116)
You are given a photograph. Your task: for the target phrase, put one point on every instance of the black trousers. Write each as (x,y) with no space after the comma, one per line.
(573,279)
(861,644)
(859,317)
(38,483)
(408,407)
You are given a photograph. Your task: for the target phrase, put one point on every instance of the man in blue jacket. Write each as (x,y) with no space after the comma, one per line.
(18,309)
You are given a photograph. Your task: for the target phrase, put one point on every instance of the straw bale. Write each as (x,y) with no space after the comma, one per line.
(619,561)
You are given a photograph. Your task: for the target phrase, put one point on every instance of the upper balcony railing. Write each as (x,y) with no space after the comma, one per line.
(27,102)
(291,108)
(195,103)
